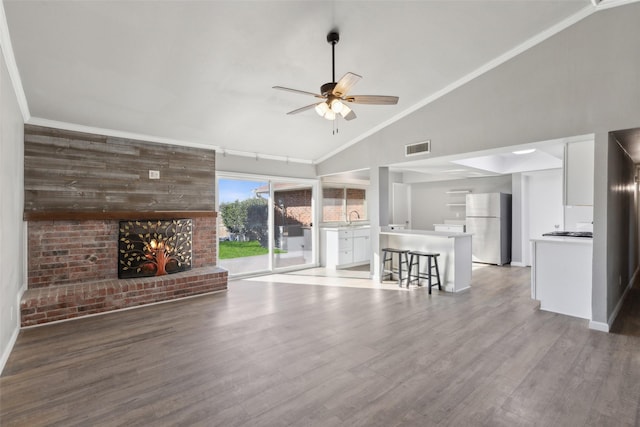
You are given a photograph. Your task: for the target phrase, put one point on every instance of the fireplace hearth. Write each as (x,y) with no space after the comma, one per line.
(154,247)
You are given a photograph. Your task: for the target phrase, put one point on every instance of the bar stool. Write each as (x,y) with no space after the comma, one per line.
(432,263)
(387,257)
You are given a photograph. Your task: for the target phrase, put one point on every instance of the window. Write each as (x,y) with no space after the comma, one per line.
(344,204)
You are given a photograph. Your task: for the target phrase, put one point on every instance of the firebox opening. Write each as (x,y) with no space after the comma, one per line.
(154,247)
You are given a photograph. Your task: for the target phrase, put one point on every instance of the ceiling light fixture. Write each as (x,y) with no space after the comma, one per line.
(334,94)
(336,105)
(322,108)
(527,151)
(330,115)
(331,108)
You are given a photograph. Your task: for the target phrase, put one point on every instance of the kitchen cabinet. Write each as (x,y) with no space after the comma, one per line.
(578,173)
(561,274)
(346,247)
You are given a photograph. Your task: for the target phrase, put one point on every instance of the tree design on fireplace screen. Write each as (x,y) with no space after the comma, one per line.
(154,247)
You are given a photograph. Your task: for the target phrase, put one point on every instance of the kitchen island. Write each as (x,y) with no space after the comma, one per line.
(454,249)
(561,274)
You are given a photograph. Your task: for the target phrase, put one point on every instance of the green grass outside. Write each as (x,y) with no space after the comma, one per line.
(242,249)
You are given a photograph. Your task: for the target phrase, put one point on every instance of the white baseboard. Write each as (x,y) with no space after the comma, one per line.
(9,348)
(606,327)
(16,331)
(598,326)
(518,264)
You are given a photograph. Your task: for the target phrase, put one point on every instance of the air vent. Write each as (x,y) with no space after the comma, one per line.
(417,148)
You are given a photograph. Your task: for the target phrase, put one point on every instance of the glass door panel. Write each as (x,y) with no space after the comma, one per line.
(293,224)
(243,226)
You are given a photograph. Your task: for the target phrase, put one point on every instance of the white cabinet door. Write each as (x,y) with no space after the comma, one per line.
(578,173)
(346,247)
(361,249)
(345,256)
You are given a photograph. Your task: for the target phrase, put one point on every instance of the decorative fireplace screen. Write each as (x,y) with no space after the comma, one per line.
(154,247)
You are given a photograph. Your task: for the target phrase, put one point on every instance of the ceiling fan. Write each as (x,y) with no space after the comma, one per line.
(334,95)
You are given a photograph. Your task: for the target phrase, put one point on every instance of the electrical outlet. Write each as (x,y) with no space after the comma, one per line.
(154,174)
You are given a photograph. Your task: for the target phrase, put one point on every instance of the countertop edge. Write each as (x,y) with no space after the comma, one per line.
(427,233)
(564,239)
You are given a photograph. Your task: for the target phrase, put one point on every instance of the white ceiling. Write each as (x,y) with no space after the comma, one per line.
(201,72)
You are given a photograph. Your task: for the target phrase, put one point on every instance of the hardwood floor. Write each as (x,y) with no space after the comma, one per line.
(278,354)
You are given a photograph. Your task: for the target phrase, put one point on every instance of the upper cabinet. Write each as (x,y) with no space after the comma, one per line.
(578,173)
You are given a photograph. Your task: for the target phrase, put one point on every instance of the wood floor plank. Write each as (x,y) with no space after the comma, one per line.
(267,353)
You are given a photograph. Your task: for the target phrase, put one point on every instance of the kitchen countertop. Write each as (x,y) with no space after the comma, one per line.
(346,227)
(564,239)
(386,230)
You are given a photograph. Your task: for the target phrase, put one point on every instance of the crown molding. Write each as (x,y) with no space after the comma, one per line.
(526,45)
(38,121)
(12,67)
(608,4)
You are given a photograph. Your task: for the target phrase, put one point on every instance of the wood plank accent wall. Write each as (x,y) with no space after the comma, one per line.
(68,171)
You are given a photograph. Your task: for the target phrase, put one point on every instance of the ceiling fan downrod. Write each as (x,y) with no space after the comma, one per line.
(333,38)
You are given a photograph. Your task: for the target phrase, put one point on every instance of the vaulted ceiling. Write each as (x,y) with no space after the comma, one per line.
(201,72)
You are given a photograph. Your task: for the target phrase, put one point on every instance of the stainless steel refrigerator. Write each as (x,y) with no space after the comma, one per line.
(489,220)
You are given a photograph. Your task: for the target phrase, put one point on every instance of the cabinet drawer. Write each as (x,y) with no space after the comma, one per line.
(345,243)
(345,234)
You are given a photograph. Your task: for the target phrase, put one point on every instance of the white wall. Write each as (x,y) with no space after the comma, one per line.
(265,167)
(12,235)
(543,203)
(575,214)
(429,199)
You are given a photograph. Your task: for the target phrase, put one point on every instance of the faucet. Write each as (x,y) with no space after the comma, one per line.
(349,216)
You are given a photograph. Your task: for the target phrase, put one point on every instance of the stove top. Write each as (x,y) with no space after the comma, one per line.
(588,234)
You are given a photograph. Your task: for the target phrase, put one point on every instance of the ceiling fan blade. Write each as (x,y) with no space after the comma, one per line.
(345,84)
(301,92)
(373,99)
(300,110)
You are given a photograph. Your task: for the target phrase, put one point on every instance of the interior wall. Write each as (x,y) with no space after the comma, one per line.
(519,219)
(12,279)
(545,202)
(544,206)
(622,244)
(573,215)
(267,167)
(429,199)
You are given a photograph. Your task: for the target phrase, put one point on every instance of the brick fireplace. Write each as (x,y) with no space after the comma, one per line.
(73,270)
(79,187)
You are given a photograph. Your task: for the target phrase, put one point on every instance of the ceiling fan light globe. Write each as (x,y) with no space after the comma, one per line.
(330,115)
(322,108)
(344,110)
(336,106)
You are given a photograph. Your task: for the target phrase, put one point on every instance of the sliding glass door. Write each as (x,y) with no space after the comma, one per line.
(265,224)
(293,224)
